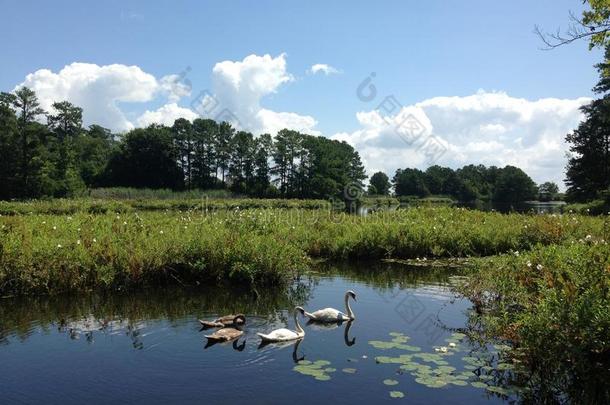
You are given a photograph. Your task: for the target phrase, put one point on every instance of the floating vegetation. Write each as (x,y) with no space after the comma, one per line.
(398,342)
(316,369)
(349,370)
(432,370)
(397,394)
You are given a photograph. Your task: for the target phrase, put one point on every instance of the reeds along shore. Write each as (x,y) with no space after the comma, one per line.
(82,251)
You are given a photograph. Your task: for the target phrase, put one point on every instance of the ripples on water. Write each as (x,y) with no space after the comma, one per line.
(147,347)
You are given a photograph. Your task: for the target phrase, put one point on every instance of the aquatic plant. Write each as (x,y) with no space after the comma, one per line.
(478,369)
(553,303)
(317,369)
(128,248)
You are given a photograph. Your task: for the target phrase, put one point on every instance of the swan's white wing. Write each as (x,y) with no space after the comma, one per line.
(328,315)
(280,335)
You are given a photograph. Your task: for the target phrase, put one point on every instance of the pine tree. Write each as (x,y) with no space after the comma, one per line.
(588,169)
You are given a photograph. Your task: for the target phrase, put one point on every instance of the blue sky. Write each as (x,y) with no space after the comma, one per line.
(419,51)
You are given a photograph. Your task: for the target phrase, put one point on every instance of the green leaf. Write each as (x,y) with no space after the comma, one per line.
(396,394)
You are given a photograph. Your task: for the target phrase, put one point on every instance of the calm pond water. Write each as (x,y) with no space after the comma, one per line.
(147,347)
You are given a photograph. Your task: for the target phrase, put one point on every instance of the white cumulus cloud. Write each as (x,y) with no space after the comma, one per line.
(97,89)
(238,88)
(165,115)
(490,128)
(323,68)
(100,90)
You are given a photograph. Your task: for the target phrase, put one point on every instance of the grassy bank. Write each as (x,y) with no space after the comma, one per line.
(51,253)
(553,303)
(103,206)
(596,207)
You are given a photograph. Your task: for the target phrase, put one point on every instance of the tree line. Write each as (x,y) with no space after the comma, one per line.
(469,183)
(60,158)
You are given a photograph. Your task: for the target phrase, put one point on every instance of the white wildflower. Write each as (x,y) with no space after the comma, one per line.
(539,267)
(58,246)
(78,242)
(529,264)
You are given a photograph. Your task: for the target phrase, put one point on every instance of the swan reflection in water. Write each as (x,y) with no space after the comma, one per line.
(281,345)
(234,344)
(321,326)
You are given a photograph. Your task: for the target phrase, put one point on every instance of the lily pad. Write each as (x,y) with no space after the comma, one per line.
(436,384)
(349,370)
(409,366)
(390,382)
(478,384)
(459,382)
(397,394)
(316,369)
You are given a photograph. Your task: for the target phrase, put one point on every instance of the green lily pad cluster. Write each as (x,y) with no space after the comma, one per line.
(433,371)
(398,341)
(317,369)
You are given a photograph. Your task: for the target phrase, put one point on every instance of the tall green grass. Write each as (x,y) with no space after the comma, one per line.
(51,253)
(553,304)
(128,193)
(103,206)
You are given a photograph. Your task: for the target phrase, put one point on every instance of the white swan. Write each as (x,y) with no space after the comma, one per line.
(332,314)
(284,335)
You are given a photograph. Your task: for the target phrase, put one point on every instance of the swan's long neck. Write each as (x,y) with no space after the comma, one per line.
(350,313)
(297,324)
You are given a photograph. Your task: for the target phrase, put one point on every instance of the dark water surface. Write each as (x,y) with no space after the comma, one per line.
(147,347)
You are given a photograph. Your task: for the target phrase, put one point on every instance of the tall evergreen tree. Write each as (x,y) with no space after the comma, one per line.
(588,169)
(28,109)
(66,126)
(182,131)
(9,144)
(205,132)
(223,144)
(262,156)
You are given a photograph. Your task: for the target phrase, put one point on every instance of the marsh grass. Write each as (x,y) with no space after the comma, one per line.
(103,206)
(553,303)
(52,253)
